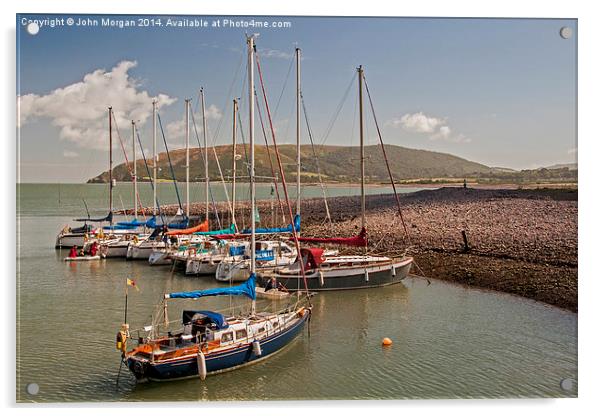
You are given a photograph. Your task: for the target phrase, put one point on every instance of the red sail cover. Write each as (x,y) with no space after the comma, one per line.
(204,226)
(359,240)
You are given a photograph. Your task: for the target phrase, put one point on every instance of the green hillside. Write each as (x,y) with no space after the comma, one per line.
(337,164)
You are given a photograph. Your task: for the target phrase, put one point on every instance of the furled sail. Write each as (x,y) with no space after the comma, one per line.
(359,240)
(204,226)
(230,230)
(108,218)
(245,289)
(287,229)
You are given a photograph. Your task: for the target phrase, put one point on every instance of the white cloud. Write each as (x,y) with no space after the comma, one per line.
(436,127)
(418,123)
(274,53)
(177,129)
(70,153)
(80,109)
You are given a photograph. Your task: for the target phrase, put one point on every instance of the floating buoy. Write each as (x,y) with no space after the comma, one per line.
(387,342)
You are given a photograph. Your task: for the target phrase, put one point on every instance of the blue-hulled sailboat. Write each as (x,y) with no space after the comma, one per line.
(210,342)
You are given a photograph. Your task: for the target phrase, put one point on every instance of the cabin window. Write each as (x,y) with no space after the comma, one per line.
(275,324)
(262,329)
(227,337)
(241,333)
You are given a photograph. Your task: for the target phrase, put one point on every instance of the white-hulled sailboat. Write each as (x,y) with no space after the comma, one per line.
(336,272)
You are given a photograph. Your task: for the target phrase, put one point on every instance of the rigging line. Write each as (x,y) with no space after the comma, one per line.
(382,145)
(213,203)
(313,149)
(290,67)
(337,111)
(267,146)
(227,100)
(127,162)
(290,211)
(150,177)
(173,175)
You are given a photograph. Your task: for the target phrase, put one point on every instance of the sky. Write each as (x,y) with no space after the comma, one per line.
(501,92)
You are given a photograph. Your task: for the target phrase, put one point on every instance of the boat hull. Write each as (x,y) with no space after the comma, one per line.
(116,250)
(377,276)
(142,251)
(201,267)
(159,258)
(70,240)
(215,363)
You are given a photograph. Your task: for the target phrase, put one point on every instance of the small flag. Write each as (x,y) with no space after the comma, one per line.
(257,218)
(132,283)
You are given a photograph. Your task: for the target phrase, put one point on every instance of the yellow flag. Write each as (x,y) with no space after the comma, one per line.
(131,282)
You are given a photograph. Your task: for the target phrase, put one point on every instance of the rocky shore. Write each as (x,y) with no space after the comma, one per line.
(522,242)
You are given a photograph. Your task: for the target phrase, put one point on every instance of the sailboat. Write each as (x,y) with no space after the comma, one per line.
(157,241)
(208,341)
(118,238)
(335,272)
(80,236)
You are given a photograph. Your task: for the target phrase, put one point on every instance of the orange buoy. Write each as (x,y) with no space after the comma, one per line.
(387,342)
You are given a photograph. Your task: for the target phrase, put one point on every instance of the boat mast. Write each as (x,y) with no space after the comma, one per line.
(187,107)
(206,155)
(298,56)
(135,178)
(360,76)
(155,158)
(111,162)
(234,112)
(251,64)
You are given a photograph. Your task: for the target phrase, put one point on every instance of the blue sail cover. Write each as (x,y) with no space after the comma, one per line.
(133,223)
(217,318)
(287,229)
(245,289)
(126,225)
(179,225)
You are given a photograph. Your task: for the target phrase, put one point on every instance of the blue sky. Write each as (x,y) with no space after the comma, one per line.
(497,91)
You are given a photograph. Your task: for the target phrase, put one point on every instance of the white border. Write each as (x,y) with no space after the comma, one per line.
(589,128)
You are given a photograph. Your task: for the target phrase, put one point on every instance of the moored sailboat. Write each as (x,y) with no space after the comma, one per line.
(344,271)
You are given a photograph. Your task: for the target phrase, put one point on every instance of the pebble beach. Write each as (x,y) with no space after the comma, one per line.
(520,241)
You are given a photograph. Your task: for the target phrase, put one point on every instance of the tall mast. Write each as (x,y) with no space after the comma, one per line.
(360,77)
(298,56)
(154,157)
(234,112)
(135,178)
(206,155)
(251,46)
(111,161)
(187,107)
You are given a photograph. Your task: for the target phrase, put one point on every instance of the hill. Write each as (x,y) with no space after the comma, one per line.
(337,164)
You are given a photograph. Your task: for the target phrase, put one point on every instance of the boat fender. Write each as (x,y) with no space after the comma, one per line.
(257,348)
(321,277)
(201,365)
(121,341)
(366,275)
(393,272)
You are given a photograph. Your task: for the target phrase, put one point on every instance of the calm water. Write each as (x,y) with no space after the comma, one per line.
(449,341)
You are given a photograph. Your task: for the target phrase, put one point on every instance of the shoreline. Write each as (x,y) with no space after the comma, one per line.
(521,241)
